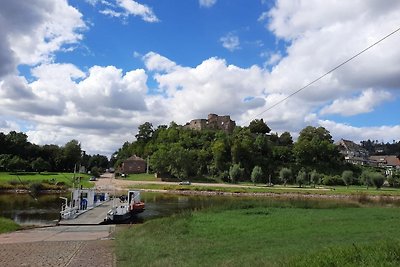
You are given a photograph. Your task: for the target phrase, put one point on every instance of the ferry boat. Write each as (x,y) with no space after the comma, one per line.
(82,199)
(127,207)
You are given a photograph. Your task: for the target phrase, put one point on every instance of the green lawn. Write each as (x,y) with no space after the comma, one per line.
(48,179)
(253,234)
(7,225)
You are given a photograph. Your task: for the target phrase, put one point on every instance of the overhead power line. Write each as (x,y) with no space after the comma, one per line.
(329,72)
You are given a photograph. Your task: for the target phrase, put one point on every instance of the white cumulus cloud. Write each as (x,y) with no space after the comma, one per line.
(230,41)
(358,105)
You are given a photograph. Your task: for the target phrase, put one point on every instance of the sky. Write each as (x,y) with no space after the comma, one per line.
(94,70)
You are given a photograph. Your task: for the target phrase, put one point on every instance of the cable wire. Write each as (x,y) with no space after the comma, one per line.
(329,72)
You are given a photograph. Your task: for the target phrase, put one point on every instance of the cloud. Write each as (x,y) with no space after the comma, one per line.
(126,8)
(230,42)
(32,31)
(211,86)
(207,3)
(156,62)
(383,133)
(358,105)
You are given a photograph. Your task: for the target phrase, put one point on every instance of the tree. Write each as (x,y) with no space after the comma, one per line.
(285,174)
(145,132)
(235,172)
(301,178)
(72,153)
(95,171)
(315,177)
(347,177)
(256,174)
(17,164)
(40,165)
(366,178)
(378,180)
(314,149)
(285,139)
(259,127)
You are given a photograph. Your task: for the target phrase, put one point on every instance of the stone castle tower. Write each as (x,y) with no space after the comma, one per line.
(214,122)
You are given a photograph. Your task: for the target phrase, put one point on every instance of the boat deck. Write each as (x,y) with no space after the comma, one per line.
(92,216)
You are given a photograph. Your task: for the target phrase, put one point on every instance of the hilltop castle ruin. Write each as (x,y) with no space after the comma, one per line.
(214,122)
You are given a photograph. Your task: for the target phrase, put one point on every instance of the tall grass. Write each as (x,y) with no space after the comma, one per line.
(380,253)
(253,234)
(7,225)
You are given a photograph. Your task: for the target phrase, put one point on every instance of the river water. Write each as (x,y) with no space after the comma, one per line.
(44,209)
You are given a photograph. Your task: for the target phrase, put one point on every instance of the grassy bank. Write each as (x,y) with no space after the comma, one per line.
(332,190)
(7,225)
(252,234)
(42,181)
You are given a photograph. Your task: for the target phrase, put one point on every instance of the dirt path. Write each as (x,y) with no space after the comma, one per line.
(59,246)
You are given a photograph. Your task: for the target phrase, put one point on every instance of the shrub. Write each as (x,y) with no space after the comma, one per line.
(256,174)
(285,175)
(378,180)
(301,178)
(347,177)
(235,173)
(315,177)
(366,178)
(332,180)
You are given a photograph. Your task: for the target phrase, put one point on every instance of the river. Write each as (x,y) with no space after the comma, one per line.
(44,209)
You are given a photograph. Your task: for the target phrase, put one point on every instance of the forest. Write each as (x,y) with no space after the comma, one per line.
(249,153)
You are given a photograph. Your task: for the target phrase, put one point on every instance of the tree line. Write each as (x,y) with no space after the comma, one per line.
(18,154)
(250,153)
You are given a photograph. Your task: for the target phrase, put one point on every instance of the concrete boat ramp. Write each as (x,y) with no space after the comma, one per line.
(91,216)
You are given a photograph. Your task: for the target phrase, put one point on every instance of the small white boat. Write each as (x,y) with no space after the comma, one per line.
(127,207)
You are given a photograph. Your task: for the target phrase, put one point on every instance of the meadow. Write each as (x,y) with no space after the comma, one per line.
(253,233)
(42,181)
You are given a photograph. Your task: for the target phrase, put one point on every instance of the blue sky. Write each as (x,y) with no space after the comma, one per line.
(94,70)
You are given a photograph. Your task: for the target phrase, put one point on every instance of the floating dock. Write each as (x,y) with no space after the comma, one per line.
(95,215)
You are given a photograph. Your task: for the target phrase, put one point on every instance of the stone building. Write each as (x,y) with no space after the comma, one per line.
(214,122)
(133,164)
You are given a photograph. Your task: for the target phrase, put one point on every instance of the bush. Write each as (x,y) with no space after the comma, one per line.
(301,178)
(285,175)
(332,180)
(315,177)
(256,174)
(378,180)
(235,173)
(347,177)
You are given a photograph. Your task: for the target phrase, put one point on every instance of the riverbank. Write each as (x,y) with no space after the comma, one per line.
(261,233)
(7,225)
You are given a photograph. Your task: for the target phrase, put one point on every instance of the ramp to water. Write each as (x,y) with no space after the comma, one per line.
(92,216)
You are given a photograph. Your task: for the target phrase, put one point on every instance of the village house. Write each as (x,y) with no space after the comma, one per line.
(353,153)
(389,162)
(133,164)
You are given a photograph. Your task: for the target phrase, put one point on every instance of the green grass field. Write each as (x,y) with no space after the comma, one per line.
(252,234)
(7,225)
(49,180)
